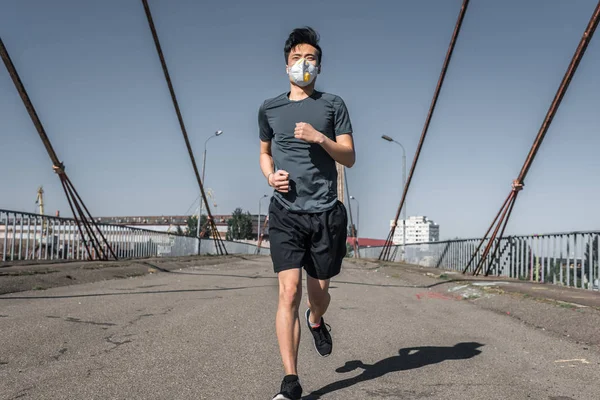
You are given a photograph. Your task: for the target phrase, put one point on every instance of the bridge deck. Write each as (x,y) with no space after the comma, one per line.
(206,332)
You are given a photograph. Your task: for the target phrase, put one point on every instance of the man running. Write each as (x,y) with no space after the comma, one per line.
(303,132)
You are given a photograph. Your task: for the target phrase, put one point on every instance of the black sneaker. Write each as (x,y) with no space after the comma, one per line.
(290,389)
(321,336)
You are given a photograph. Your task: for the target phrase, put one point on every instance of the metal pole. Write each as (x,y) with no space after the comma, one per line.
(57,165)
(357,213)
(221,250)
(217,133)
(200,206)
(203,182)
(404,207)
(389,139)
(258,227)
(198,224)
(385,251)
(564,85)
(353,233)
(357,216)
(403,173)
(4,251)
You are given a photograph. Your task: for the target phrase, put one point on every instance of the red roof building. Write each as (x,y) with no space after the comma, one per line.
(366,242)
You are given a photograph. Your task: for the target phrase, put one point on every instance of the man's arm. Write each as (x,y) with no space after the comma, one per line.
(341,150)
(266,159)
(278,180)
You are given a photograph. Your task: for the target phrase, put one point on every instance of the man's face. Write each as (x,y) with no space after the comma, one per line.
(305,51)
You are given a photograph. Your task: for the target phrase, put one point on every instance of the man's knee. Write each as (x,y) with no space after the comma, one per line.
(290,293)
(290,296)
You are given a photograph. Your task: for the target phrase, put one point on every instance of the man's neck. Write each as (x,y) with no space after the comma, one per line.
(301,93)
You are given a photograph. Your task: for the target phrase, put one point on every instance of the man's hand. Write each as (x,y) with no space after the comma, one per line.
(280,180)
(306,132)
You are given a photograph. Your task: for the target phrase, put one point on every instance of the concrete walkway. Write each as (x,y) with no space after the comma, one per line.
(207,332)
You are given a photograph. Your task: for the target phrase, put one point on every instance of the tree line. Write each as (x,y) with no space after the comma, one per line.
(239,226)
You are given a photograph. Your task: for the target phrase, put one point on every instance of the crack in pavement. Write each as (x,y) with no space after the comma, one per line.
(60,353)
(149,286)
(97,368)
(117,344)
(22,393)
(139,317)
(168,310)
(79,321)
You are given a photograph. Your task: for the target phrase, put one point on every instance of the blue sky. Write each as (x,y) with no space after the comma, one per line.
(93,74)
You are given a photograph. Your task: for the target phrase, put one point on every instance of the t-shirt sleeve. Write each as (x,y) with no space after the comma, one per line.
(343,125)
(264,129)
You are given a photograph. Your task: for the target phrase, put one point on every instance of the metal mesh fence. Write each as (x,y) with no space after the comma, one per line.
(569,259)
(25,236)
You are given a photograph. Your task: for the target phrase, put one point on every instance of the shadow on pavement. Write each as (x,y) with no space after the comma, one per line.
(407,359)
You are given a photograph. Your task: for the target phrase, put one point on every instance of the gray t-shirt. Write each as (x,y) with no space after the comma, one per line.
(313,175)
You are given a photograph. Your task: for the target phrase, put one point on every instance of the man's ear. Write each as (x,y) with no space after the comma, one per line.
(319,69)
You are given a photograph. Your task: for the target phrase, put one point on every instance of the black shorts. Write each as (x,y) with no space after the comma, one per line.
(315,241)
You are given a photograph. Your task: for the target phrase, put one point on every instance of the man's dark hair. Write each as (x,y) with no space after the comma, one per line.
(306,35)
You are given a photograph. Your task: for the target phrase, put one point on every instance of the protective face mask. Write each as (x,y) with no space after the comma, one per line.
(302,72)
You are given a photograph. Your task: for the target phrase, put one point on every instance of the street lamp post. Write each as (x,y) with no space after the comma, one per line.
(217,133)
(258,227)
(357,214)
(389,139)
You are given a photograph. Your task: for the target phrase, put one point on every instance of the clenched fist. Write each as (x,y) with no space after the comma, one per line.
(280,180)
(306,132)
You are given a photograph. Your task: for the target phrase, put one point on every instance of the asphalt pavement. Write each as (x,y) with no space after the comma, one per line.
(206,331)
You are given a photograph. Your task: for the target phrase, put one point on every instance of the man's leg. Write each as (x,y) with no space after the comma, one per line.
(288,234)
(328,248)
(287,321)
(318,298)
(318,302)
